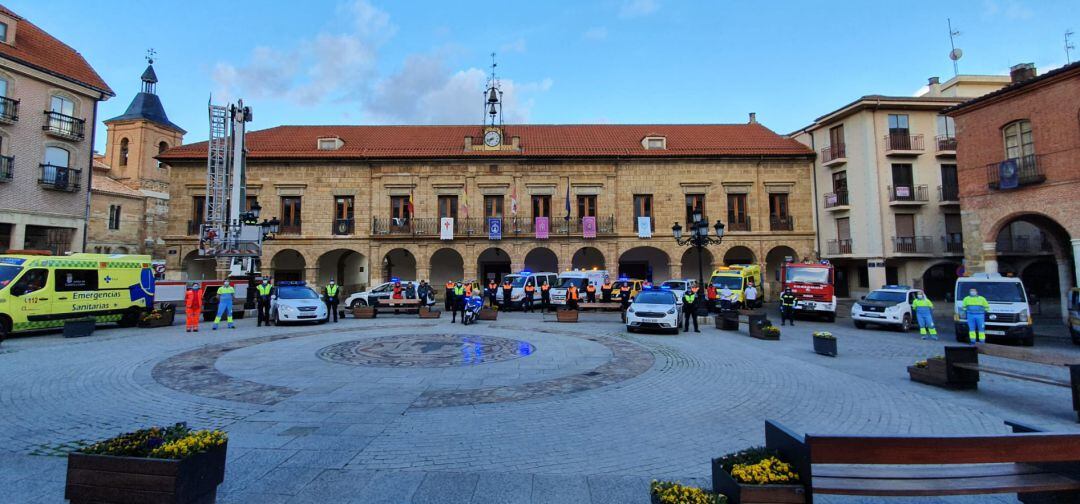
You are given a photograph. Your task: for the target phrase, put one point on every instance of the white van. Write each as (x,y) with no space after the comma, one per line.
(519,280)
(581,278)
(1009,317)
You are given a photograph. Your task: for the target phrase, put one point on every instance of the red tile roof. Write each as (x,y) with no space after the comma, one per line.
(537,141)
(35,48)
(103,183)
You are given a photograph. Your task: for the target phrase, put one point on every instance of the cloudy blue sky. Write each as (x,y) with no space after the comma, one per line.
(610,61)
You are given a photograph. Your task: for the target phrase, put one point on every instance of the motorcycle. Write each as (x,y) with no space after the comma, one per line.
(473,305)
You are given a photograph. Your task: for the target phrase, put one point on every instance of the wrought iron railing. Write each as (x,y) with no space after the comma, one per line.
(911,194)
(953,243)
(836,199)
(64,125)
(781,223)
(1024,244)
(9,109)
(194,227)
(291,229)
(833,152)
(945,143)
(1026,170)
(738,223)
(903,142)
(948,192)
(477,226)
(839,247)
(60,178)
(343,227)
(912,244)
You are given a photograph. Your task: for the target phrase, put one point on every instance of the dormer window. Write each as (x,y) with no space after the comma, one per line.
(3,32)
(331,143)
(654,143)
(8,27)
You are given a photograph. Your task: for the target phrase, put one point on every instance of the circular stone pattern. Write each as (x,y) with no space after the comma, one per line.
(426,351)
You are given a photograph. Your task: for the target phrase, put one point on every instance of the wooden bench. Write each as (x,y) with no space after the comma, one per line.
(1038,466)
(600,306)
(964,363)
(406,305)
(729,320)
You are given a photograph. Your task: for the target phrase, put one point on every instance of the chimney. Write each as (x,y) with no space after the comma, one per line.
(468,143)
(515,142)
(753,118)
(934,85)
(1022,72)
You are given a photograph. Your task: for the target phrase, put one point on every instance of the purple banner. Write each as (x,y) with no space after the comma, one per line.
(542,228)
(588,227)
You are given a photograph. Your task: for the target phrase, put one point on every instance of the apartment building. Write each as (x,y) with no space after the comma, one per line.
(887,204)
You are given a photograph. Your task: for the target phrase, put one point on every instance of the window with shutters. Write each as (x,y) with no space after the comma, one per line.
(586,204)
(643,208)
(291,215)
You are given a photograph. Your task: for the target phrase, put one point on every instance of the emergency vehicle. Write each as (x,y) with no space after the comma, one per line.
(1009,316)
(174,292)
(39,291)
(736,277)
(581,278)
(518,282)
(812,284)
(636,284)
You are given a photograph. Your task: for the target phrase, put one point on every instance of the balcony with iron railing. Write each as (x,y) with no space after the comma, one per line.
(476,227)
(9,110)
(903,145)
(7,168)
(194,227)
(64,126)
(953,243)
(908,195)
(60,178)
(1024,244)
(838,247)
(737,223)
(948,194)
(1015,172)
(836,200)
(833,155)
(343,227)
(294,229)
(913,245)
(946,145)
(781,223)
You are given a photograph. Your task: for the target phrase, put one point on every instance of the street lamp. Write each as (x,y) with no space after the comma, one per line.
(699,239)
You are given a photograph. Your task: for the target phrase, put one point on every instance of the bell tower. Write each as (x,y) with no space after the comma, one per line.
(493,119)
(142,132)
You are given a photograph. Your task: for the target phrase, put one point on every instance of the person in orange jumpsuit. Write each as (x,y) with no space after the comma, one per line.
(193,304)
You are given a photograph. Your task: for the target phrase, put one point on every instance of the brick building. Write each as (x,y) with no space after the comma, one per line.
(363,203)
(48,108)
(129,205)
(1019,171)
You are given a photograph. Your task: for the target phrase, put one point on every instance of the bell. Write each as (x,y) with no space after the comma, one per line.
(492,111)
(492,96)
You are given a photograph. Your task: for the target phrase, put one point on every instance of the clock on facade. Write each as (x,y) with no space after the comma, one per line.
(492,138)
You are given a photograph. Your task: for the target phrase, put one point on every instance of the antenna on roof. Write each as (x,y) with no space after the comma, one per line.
(150,53)
(1068,47)
(955,54)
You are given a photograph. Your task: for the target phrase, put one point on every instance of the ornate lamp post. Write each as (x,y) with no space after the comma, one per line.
(699,238)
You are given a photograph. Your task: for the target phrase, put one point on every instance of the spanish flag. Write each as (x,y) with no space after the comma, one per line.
(411,213)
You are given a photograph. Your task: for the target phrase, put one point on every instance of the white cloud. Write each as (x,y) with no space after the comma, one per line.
(637,8)
(517,46)
(1011,9)
(596,33)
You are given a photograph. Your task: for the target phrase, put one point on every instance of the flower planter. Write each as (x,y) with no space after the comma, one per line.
(167,318)
(487,314)
(364,312)
(727,320)
(428,313)
(109,479)
(935,373)
(738,493)
(825,346)
(79,328)
(566,315)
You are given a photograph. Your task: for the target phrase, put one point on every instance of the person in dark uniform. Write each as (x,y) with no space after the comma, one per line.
(605,291)
(691,303)
(527,303)
(624,299)
(787,307)
(572,297)
(492,294)
(459,301)
(590,292)
(331,292)
(545,297)
(262,303)
(448,303)
(507,292)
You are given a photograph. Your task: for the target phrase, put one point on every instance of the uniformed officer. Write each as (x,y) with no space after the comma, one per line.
(459,302)
(527,303)
(924,313)
(624,299)
(507,292)
(262,303)
(590,293)
(545,297)
(493,294)
(331,298)
(225,295)
(691,301)
(975,308)
(572,297)
(448,303)
(787,307)
(605,291)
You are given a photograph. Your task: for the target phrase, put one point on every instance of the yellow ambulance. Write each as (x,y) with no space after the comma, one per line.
(736,278)
(42,291)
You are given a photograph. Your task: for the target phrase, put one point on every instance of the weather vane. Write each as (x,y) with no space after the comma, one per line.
(150,53)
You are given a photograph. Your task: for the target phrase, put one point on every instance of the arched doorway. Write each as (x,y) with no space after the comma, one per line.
(774,260)
(492,264)
(1040,277)
(1038,249)
(399,263)
(939,280)
(588,258)
(648,263)
(197,267)
(739,255)
(288,265)
(346,267)
(694,263)
(542,259)
(446,265)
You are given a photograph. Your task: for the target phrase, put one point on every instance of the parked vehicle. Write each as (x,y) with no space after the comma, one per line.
(381,291)
(736,277)
(173,292)
(635,284)
(519,280)
(812,283)
(296,302)
(1009,316)
(653,308)
(679,286)
(473,305)
(889,305)
(581,278)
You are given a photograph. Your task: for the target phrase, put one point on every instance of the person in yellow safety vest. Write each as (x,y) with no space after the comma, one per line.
(605,292)
(975,307)
(572,297)
(459,302)
(590,293)
(527,303)
(924,313)
(262,303)
(225,295)
(331,300)
(691,301)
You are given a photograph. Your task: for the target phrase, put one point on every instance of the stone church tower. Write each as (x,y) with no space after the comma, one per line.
(130,189)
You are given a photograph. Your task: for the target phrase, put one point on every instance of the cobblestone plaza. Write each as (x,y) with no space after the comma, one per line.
(399,409)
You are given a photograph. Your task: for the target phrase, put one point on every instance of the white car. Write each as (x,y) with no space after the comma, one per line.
(678,287)
(653,309)
(889,305)
(381,291)
(296,302)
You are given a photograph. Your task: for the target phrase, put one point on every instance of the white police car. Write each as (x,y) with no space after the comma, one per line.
(382,291)
(653,308)
(889,305)
(296,302)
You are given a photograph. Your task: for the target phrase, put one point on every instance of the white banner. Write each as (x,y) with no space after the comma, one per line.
(446,228)
(644,227)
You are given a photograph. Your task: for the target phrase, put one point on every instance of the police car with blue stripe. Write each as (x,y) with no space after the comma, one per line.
(296,302)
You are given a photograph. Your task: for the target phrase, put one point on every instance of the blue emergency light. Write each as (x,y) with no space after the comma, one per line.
(292,283)
(395,279)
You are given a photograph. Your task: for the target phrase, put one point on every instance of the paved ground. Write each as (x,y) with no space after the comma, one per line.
(518,410)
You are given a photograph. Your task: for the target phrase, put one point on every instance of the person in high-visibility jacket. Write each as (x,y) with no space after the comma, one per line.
(492,294)
(605,291)
(459,302)
(331,299)
(448,303)
(225,295)
(507,294)
(975,307)
(572,297)
(624,299)
(262,302)
(590,293)
(691,301)
(527,302)
(193,307)
(787,307)
(924,313)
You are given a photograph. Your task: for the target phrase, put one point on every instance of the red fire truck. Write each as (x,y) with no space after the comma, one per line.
(812,283)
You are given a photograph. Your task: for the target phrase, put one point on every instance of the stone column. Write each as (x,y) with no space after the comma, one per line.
(1064,282)
(990,264)
(423,273)
(311,276)
(18,236)
(674,270)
